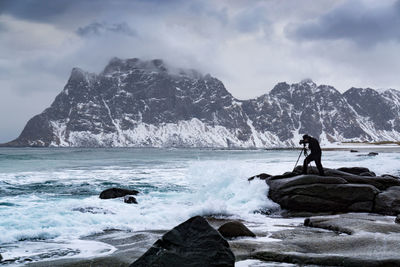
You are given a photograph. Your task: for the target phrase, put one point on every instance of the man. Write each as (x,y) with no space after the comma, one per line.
(315,155)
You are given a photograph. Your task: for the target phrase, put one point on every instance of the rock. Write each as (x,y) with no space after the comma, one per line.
(130,199)
(358,239)
(390,176)
(93,210)
(353,150)
(397,220)
(354,170)
(261,176)
(352,223)
(117,192)
(371,174)
(388,202)
(234,229)
(370,154)
(192,243)
(348,189)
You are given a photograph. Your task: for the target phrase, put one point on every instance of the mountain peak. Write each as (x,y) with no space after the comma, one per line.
(77,74)
(308,81)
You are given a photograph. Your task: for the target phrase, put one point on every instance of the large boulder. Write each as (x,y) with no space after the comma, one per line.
(328,197)
(117,192)
(235,229)
(354,189)
(192,243)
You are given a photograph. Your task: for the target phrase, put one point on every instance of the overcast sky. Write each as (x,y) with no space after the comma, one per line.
(249,45)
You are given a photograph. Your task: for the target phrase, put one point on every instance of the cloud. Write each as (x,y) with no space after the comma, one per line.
(96,29)
(365,23)
(249,45)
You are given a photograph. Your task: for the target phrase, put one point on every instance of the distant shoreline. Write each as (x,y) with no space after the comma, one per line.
(362,147)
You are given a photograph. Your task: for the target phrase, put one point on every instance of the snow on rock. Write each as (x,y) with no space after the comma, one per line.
(135,103)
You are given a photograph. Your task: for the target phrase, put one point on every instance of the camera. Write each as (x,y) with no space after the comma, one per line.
(302,142)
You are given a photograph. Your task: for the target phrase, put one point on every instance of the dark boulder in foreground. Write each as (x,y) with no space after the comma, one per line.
(234,229)
(117,192)
(354,189)
(192,243)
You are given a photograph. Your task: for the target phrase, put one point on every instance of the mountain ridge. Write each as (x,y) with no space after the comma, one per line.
(136,103)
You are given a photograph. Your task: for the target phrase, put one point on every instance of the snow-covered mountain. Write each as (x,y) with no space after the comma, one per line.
(147,103)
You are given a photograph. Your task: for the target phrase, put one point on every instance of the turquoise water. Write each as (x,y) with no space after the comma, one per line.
(49,196)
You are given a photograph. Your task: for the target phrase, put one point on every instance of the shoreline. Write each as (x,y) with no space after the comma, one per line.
(279,240)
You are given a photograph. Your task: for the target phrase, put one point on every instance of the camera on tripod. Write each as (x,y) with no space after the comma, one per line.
(302,142)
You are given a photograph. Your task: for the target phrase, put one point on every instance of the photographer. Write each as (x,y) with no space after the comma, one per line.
(315,155)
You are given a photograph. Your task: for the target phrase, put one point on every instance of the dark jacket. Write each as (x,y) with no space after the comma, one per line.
(313,145)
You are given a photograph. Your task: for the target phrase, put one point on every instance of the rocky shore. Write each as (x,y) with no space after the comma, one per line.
(346,218)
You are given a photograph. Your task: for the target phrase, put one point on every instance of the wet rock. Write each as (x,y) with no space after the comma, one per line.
(234,229)
(352,223)
(130,199)
(93,210)
(390,176)
(357,239)
(314,193)
(370,154)
(388,202)
(397,220)
(117,192)
(354,189)
(261,176)
(192,243)
(354,170)
(353,151)
(370,174)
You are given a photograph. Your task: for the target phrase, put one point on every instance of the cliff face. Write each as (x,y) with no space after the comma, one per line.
(147,103)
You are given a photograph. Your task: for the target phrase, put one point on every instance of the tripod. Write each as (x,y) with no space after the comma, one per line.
(303,150)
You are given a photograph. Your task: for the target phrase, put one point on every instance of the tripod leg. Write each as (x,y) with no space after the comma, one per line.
(298,159)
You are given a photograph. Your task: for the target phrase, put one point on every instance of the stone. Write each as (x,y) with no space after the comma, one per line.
(352,223)
(353,151)
(351,239)
(371,174)
(314,193)
(130,199)
(354,170)
(117,192)
(347,189)
(397,220)
(235,229)
(192,243)
(388,202)
(261,176)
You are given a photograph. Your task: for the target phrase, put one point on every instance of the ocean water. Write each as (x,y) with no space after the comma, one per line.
(49,196)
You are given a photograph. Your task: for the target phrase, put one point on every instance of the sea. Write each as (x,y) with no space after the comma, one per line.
(49,197)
